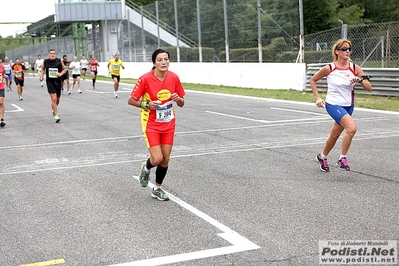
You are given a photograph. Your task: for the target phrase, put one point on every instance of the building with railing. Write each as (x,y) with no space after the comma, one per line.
(99,27)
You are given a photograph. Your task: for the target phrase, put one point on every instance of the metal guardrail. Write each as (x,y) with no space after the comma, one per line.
(385,81)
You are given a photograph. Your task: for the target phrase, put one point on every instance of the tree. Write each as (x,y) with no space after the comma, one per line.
(348,13)
(316,15)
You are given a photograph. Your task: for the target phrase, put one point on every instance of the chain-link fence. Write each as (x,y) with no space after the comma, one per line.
(212,27)
(30,52)
(373,45)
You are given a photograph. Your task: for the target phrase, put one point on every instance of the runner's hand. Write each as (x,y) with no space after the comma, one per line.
(320,103)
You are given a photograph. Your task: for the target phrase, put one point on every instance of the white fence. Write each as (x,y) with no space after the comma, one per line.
(245,75)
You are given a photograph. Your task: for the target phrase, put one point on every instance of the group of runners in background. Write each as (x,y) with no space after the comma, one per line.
(59,72)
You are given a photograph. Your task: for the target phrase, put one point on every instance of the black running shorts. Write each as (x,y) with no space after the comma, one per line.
(54,86)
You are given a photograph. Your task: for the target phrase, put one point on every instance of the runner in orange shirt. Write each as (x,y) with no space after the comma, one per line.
(18,70)
(155,93)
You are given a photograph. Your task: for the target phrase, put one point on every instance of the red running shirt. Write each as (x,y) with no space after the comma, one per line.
(2,77)
(150,88)
(93,65)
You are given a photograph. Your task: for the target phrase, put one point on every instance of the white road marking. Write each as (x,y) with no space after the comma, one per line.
(104,92)
(71,142)
(285,101)
(239,243)
(51,161)
(239,117)
(96,91)
(267,121)
(262,146)
(298,111)
(193,132)
(18,109)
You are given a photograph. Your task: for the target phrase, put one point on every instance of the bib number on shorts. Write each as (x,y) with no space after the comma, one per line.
(52,72)
(165,112)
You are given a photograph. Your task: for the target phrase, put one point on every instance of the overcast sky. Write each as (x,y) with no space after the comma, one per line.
(26,11)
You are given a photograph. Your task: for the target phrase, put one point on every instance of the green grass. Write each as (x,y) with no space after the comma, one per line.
(387,103)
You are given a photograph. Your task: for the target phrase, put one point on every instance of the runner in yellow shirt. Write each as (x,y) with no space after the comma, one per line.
(114,68)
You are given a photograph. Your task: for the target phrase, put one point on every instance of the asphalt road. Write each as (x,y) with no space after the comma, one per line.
(244,184)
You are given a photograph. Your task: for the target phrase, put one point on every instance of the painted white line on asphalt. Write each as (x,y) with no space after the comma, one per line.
(238,242)
(268,121)
(298,111)
(18,109)
(239,117)
(104,92)
(284,101)
(96,91)
(71,142)
(298,143)
(194,132)
(311,141)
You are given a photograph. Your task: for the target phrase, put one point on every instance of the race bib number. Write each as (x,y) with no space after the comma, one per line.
(18,74)
(52,72)
(165,112)
(8,71)
(93,68)
(1,78)
(115,67)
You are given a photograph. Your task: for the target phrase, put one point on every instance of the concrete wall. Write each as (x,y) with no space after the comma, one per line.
(246,75)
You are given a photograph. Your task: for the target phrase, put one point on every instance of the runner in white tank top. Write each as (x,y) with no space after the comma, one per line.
(38,64)
(342,75)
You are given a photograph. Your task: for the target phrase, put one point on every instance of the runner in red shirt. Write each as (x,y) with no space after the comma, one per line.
(3,76)
(93,64)
(155,93)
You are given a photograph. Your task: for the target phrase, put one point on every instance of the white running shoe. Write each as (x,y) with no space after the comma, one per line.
(69,92)
(79,91)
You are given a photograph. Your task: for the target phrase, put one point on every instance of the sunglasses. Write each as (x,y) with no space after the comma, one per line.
(345,49)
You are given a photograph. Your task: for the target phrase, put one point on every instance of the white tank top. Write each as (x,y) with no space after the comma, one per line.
(7,68)
(339,90)
(83,63)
